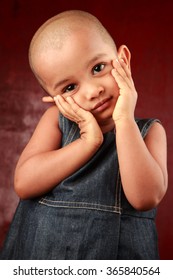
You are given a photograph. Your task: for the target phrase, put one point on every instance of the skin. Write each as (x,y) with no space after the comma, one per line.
(91,84)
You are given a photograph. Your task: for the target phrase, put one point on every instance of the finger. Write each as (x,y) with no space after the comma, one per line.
(65,108)
(121,81)
(122,68)
(47,99)
(70,109)
(79,111)
(122,74)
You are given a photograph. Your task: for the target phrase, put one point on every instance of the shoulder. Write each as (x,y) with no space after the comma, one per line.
(150,127)
(46,136)
(155,133)
(50,117)
(51,112)
(156,143)
(154,136)
(48,127)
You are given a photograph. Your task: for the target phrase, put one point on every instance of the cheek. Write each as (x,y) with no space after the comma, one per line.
(116,91)
(79,99)
(113,87)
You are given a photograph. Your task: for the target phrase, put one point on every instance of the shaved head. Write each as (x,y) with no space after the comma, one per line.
(55,31)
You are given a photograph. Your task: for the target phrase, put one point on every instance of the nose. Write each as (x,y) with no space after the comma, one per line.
(93,91)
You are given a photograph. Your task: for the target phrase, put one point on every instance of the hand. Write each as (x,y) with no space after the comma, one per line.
(48,99)
(126,102)
(89,128)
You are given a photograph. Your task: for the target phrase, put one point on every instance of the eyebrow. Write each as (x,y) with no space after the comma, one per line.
(90,62)
(61,83)
(96,58)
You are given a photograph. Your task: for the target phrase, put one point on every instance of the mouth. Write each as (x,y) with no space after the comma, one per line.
(102,105)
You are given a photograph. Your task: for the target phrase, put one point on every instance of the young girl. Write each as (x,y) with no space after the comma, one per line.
(92,174)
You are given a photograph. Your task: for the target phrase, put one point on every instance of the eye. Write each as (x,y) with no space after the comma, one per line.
(98,68)
(69,88)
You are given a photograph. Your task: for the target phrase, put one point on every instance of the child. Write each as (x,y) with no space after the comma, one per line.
(92,175)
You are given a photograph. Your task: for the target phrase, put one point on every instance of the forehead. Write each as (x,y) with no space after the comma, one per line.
(82,43)
(85,41)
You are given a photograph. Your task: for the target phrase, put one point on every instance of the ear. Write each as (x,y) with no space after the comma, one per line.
(124,53)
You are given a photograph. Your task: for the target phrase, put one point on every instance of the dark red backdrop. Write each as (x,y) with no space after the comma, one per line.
(144,26)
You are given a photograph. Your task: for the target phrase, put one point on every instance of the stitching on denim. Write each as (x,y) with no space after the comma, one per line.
(118,192)
(76,202)
(78,205)
(147,126)
(61,122)
(71,134)
(120,187)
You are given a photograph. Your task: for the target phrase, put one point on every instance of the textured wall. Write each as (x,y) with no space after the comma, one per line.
(144,26)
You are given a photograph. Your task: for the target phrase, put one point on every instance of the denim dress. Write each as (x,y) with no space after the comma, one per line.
(87,215)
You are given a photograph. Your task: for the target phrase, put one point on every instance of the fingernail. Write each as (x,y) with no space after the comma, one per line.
(56,98)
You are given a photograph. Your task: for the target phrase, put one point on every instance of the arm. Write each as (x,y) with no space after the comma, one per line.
(142,162)
(43,164)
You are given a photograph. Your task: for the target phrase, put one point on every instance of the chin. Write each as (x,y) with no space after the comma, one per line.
(104,117)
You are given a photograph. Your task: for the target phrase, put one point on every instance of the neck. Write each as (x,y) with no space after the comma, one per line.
(108,126)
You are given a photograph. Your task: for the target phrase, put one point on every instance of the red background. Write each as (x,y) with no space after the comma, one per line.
(146,27)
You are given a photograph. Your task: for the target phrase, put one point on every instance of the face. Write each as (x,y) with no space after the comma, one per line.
(82,69)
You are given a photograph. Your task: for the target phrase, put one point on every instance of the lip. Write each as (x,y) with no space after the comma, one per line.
(101,105)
